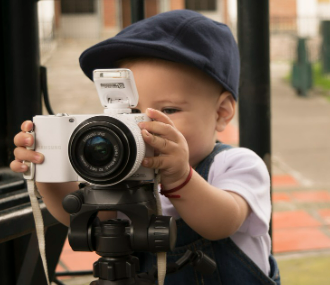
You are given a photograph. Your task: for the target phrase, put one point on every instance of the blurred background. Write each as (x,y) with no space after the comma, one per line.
(299,40)
(97,19)
(300,110)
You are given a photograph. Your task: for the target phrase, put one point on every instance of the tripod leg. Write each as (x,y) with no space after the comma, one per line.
(32,271)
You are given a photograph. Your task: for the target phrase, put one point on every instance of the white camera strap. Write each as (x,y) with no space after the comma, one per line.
(40,230)
(161,256)
(39,223)
(37,215)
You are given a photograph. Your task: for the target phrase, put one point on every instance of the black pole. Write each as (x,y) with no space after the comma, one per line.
(137,10)
(3,116)
(20,100)
(254,93)
(21,91)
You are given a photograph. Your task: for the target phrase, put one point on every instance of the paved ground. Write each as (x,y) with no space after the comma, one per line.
(300,166)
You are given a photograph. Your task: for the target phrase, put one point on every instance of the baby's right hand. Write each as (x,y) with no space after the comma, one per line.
(23,140)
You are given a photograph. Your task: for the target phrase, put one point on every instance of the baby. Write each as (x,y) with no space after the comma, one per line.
(186,69)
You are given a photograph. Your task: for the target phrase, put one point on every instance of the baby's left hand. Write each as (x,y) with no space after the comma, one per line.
(170,144)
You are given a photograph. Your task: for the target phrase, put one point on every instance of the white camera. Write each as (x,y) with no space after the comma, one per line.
(102,149)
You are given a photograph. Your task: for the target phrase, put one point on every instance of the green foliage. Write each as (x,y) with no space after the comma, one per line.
(320,80)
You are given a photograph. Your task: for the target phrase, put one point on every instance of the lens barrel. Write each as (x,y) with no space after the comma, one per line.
(102,150)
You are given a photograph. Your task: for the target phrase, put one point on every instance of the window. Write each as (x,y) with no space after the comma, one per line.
(78,6)
(201,5)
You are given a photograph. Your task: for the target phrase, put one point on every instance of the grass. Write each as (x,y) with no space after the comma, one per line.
(320,80)
(305,270)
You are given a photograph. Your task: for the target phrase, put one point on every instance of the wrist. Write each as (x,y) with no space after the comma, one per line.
(168,192)
(172,179)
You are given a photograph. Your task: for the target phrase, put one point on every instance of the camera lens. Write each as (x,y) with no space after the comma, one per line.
(98,150)
(104,150)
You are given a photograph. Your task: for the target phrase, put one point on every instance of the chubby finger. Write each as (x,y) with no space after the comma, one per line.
(27,126)
(159,116)
(22,153)
(18,166)
(161,129)
(156,162)
(160,144)
(23,139)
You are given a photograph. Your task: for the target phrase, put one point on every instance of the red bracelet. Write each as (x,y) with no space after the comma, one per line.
(166,192)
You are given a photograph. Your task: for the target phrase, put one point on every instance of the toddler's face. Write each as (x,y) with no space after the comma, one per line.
(186,95)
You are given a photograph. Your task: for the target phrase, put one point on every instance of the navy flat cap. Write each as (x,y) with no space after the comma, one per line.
(182,36)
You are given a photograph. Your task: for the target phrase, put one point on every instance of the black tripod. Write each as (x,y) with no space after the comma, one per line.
(117,265)
(115,240)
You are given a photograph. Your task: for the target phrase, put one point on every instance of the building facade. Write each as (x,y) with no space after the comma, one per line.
(100,19)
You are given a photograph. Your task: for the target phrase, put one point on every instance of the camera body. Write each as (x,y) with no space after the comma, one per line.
(102,149)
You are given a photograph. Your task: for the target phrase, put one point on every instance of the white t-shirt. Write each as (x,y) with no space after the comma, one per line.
(242,171)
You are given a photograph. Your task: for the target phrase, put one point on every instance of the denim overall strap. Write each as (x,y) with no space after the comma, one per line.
(204,166)
(234,267)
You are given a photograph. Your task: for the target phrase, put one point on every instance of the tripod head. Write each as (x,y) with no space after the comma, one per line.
(115,240)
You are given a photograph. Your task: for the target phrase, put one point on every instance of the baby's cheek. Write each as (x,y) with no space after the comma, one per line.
(194,153)
(199,149)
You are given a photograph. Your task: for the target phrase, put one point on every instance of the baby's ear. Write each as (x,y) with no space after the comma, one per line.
(226,107)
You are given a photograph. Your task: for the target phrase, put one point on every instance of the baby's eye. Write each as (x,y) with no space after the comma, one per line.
(136,111)
(170,111)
